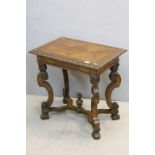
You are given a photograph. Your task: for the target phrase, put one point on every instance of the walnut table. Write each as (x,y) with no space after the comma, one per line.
(85,57)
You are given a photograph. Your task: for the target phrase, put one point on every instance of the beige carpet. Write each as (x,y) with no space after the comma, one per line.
(68,133)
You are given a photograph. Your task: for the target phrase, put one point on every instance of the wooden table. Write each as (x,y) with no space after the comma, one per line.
(89,58)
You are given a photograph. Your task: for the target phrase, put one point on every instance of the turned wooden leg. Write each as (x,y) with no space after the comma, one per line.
(115,82)
(42,77)
(94,101)
(66,86)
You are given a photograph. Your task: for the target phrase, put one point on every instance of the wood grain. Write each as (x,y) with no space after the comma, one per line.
(78,52)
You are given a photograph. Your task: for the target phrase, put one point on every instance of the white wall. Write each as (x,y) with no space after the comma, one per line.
(99,21)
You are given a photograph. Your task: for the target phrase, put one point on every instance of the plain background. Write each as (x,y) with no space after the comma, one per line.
(13,77)
(99,21)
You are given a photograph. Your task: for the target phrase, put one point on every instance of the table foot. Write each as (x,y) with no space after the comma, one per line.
(114,111)
(45,111)
(96,135)
(115,116)
(44,116)
(96,128)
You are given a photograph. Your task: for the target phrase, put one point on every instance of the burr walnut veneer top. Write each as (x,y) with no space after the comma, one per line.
(79,52)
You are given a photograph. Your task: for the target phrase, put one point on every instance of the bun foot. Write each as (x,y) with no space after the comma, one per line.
(44,116)
(115,116)
(96,135)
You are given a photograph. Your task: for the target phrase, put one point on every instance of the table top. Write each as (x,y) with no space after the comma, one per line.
(79,52)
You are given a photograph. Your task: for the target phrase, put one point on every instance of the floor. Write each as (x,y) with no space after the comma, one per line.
(68,133)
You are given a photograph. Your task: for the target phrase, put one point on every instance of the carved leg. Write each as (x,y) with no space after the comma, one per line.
(66,86)
(94,101)
(115,82)
(42,77)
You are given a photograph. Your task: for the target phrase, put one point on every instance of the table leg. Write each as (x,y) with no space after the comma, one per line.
(94,101)
(115,82)
(66,86)
(42,77)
